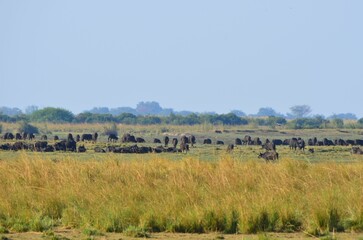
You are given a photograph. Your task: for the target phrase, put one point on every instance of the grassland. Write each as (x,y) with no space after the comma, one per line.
(204,191)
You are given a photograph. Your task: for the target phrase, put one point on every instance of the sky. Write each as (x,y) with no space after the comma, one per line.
(202,56)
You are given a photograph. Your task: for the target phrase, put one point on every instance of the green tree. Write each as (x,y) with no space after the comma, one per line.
(300,111)
(50,114)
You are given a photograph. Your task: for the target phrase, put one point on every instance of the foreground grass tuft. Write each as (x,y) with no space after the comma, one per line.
(188,195)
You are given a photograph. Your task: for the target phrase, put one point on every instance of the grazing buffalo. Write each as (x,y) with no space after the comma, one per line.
(166,141)
(157,140)
(174,142)
(140,140)
(56,138)
(359,142)
(269,156)
(44,137)
(207,141)
(219,142)
(112,138)
(238,141)
(218,131)
(86,137)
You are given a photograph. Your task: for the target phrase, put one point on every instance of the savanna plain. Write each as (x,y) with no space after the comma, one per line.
(206,193)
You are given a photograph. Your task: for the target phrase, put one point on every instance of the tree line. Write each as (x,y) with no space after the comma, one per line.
(59,115)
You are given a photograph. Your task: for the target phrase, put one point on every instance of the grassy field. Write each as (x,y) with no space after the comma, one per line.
(205,191)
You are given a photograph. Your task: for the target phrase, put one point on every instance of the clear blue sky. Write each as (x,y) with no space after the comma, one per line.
(187,55)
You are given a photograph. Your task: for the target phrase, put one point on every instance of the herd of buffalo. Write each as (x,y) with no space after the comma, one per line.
(75,144)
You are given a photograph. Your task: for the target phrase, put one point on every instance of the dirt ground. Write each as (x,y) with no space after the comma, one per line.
(63,234)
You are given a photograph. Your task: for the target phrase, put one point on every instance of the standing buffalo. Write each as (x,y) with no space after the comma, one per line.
(174,142)
(86,137)
(192,140)
(112,138)
(166,141)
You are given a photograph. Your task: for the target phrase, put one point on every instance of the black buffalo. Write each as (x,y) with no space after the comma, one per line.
(166,141)
(207,141)
(112,138)
(238,141)
(174,142)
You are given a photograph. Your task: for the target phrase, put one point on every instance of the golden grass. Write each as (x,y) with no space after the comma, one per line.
(188,195)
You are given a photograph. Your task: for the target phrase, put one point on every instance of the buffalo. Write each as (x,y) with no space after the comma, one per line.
(166,141)
(207,141)
(238,141)
(112,138)
(269,156)
(174,142)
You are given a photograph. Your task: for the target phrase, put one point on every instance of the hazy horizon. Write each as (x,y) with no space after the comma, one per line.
(200,56)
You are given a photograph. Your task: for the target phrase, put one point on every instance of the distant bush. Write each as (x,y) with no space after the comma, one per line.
(28,128)
(49,114)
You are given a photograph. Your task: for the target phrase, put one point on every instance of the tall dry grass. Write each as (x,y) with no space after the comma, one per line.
(189,195)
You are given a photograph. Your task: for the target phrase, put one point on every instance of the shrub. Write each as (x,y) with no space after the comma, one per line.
(28,128)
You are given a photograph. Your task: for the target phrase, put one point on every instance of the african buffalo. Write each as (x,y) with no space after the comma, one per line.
(174,141)
(269,156)
(207,141)
(238,141)
(166,141)
(112,138)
